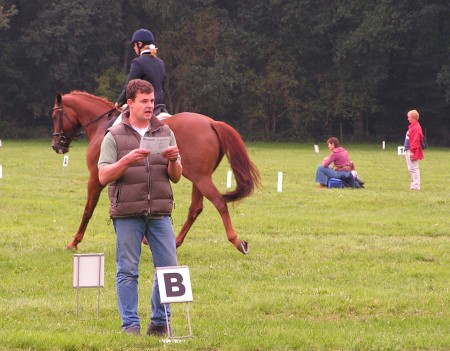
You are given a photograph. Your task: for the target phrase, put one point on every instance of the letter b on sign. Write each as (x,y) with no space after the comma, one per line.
(174,284)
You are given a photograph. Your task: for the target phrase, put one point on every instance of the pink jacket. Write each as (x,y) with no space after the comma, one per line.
(415,140)
(340,158)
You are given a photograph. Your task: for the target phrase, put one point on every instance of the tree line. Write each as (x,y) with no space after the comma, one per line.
(296,70)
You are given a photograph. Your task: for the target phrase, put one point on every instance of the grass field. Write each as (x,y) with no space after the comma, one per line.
(328,269)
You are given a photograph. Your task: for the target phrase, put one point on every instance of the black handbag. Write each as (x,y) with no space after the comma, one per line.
(424,143)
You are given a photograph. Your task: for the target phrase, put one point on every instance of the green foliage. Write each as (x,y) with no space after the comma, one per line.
(278,70)
(270,110)
(109,83)
(5,14)
(208,79)
(61,56)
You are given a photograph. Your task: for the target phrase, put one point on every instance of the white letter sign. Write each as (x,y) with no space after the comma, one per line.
(174,284)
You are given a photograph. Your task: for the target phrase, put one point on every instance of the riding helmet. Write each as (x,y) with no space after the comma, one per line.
(143,35)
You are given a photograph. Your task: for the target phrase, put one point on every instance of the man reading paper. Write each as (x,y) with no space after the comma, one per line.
(141,202)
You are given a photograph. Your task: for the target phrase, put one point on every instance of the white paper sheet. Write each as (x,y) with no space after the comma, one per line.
(155,145)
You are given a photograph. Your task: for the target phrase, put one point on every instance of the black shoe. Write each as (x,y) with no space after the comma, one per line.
(158,330)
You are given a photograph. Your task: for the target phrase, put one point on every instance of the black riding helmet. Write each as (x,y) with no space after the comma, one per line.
(144,36)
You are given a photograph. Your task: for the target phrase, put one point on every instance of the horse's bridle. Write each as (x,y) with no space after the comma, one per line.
(65,140)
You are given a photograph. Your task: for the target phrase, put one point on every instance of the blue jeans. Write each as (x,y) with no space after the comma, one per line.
(161,239)
(323,174)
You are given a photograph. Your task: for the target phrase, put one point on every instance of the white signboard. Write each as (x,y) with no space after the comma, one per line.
(401,150)
(88,270)
(174,284)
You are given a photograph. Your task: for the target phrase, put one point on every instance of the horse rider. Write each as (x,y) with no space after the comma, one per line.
(147,66)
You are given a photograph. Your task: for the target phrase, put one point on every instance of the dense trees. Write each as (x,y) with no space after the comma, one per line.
(274,69)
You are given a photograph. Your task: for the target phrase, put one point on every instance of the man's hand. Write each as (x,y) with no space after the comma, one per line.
(175,169)
(171,153)
(114,171)
(137,155)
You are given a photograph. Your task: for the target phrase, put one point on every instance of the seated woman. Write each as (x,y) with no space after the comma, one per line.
(342,165)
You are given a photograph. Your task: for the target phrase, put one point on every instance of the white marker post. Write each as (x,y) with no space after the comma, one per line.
(89,272)
(316,149)
(0,143)
(401,151)
(280,182)
(229,175)
(174,285)
(65,164)
(383,145)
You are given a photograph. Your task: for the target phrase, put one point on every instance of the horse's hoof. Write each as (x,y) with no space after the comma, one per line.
(71,247)
(243,247)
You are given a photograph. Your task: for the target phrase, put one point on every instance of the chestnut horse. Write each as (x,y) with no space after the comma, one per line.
(202,143)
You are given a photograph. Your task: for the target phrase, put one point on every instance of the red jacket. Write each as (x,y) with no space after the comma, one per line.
(415,140)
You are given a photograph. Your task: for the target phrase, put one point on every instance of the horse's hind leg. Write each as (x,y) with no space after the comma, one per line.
(209,190)
(194,211)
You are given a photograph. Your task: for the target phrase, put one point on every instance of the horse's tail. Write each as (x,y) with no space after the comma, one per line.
(244,170)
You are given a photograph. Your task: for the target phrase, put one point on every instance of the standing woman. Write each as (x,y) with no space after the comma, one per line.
(413,148)
(147,66)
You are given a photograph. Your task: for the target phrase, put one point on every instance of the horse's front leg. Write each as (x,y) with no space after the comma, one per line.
(93,194)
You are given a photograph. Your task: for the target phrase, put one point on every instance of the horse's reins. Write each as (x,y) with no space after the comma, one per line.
(107,113)
(65,140)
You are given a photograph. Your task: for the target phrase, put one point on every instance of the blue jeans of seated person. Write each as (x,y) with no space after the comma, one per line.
(129,235)
(323,174)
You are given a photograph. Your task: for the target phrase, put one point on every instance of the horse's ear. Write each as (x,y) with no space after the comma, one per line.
(58,98)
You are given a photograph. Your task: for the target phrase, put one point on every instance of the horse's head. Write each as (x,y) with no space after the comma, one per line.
(66,126)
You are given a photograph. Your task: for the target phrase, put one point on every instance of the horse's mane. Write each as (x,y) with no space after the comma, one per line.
(90,96)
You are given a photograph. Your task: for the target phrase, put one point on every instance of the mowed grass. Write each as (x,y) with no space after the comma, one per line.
(328,269)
